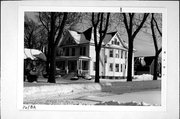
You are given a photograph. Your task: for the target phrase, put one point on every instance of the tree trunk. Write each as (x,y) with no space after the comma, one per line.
(130,53)
(155,67)
(48,56)
(97,66)
(52,68)
(51,78)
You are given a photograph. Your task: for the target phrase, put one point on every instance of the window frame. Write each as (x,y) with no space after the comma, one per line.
(111,67)
(111,53)
(116,68)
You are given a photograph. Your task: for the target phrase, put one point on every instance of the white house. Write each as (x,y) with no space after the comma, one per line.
(78,55)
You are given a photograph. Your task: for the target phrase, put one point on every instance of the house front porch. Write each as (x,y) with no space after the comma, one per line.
(73,64)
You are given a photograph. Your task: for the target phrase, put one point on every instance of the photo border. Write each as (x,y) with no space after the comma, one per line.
(141,9)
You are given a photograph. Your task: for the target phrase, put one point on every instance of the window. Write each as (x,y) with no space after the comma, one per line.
(73,51)
(125,54)
(118,43)
(115,41)
(112,42)
(122,54)
(121,67)
(110,53)
(84,65)
(94,66)
(67,52)
(117,67)
(69,41)
(111,67)
(83,51)
(117,53)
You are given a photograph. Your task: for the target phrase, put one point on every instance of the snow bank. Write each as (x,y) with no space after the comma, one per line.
(61,89)
(132,103)
(144,77)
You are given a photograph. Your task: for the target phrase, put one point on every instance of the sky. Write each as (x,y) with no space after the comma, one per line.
(143,42)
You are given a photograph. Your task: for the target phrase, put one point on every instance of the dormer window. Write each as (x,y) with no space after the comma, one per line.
(69,41)
(115,41)
(118,43)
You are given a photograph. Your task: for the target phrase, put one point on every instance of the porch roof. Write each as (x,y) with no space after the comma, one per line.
(72,57)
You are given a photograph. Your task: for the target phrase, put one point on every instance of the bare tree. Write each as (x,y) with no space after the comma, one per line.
(154,27)
(132,26)
(99,21)
(30,33)
(55,25)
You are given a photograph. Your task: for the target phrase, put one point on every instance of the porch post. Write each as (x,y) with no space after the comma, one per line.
(80,66)
(66,66)
(77,67)
(89,67)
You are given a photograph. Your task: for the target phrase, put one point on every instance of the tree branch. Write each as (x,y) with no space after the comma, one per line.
(105,29)
(153,33)
(157,26)
(125,22)
(61,28)
(43,23)
(140,26)
(95,28)
(159,51)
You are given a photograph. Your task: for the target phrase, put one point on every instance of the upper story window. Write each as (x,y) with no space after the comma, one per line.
(66,51)
(83,51)
(118,43)
(125,54)
(122,54)
(73,51)
(115,41)
(69,41)
(117,53)
(111,53)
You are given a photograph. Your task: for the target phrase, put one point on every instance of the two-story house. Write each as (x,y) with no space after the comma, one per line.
(78,55)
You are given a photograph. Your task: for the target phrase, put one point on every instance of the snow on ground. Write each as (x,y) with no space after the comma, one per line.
(143,77)
(132,103)
(143,98)
(113,92)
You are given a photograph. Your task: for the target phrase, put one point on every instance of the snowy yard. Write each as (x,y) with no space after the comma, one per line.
(142,91)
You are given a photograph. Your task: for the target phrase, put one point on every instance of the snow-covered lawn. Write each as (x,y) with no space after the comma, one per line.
(102,93)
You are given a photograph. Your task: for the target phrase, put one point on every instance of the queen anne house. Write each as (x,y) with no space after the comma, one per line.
(78,55)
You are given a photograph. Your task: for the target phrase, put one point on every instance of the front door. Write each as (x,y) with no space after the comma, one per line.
(72,66)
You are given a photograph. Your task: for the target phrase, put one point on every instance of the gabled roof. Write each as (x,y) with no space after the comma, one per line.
(86,37)
(108,37)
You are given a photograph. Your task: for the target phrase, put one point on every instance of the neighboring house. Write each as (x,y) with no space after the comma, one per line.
(145,65)
(78,55)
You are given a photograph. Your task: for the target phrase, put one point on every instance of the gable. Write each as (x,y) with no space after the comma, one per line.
(68,40)
(116,41)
